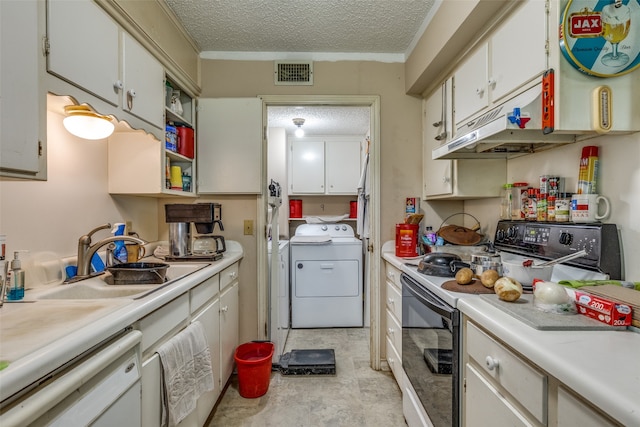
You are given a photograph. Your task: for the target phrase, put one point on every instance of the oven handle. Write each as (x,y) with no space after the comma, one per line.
(427,297)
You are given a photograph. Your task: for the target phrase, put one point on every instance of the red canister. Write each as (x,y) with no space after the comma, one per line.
(407,240)
(295,208)
(185,141)
(353,209)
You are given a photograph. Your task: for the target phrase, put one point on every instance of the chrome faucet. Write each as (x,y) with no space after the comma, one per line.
(86,250)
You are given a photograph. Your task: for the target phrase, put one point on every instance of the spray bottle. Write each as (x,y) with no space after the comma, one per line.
(120,252)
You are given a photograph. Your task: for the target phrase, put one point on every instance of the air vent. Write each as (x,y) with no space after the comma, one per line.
(293,73)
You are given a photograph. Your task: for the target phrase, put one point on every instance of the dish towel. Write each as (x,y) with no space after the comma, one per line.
(186,373)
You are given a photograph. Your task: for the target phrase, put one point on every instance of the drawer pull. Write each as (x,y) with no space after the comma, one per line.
(390,301)
(391,331)
(491,363)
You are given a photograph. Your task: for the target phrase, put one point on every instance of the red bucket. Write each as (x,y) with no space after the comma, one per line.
(295,208)
(407,240)
(253,360)
(185,141)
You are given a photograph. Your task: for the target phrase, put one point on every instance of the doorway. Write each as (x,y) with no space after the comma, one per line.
(326,116)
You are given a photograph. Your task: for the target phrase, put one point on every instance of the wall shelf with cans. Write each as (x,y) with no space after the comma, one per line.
(140,164)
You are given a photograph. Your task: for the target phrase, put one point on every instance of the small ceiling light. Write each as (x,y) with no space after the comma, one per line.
(299,122)
(84,123)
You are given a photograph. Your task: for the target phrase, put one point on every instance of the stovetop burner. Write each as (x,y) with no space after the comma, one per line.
(547,241)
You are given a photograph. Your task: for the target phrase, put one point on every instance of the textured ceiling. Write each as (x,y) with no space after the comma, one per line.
(321,120)
(338,26)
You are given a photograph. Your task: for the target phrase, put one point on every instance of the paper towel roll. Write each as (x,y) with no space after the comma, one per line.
(176,178)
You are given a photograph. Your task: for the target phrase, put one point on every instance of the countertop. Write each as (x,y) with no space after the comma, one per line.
(66,329)
(602,366)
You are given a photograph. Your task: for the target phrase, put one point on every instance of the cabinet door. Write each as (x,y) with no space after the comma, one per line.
(437,176)
(518,49)
(470,85)
(151,389)
(576,412)
(229,145)
(143,77)
(22,102)
(209,317)
(229,330)
(342,166)
(307,167)
(483,402)
(84,48)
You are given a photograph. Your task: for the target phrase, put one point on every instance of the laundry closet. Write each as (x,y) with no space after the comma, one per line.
(319,174)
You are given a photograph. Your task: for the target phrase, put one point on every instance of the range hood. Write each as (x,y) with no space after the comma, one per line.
(512,129)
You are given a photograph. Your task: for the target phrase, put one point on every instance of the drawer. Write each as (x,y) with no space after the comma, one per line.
(168,318)
(394,331)
(525,383)
(228,275)
(393,275)
(394,300)
(395,361)
(204,292)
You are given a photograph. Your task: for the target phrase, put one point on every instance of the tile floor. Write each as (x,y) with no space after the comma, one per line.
(356,396)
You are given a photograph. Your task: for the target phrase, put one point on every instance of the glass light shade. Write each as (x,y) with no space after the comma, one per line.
(299,133)
(84,123)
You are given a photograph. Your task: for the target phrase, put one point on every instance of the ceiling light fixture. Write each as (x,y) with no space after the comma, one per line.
(299,122)
(84,123)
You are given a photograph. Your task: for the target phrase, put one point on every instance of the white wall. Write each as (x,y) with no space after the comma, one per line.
(51,215)
(618,179)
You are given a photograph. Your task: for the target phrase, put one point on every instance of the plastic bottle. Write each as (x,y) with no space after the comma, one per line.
(15,286)
(588,172)
(506,204)
(120,252)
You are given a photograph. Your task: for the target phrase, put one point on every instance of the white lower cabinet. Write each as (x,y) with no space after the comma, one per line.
(503,388)
(214,303)
(394,322)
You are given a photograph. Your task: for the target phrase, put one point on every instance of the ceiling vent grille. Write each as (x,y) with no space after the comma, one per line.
(293,73)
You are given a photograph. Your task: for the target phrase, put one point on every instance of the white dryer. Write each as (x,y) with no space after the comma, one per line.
(326,277)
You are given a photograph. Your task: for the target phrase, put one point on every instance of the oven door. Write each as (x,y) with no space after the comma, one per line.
(430,351)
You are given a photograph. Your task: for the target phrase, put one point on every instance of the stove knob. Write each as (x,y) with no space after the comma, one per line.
(324,228)
(512,232)
(566,238)
(500,235)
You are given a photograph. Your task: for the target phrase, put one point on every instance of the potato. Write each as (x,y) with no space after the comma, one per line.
(489,278)
(507,289)
(464,276)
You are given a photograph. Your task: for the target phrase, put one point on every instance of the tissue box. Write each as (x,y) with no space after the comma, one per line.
(603,310)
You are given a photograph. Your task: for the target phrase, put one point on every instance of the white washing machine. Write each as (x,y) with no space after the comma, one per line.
(326,277)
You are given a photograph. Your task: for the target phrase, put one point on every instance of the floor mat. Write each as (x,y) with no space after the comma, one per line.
(308,362)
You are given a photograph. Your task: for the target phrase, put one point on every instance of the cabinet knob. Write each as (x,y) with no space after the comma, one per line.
(441,136)
(233,274)
(390,331)
(224,309)
(445,179)
(491,363)
(118,85)
(437,124)
(480,91)
(131,93)
(390,301)
(492,82)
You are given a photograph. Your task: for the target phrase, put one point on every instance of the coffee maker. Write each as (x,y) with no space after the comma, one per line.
(205,246)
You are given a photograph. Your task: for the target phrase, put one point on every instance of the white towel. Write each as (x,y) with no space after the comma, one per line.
(186,372)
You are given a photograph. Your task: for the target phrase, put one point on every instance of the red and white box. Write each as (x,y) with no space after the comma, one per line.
(603,310)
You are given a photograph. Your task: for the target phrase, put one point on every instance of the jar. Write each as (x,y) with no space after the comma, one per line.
(551,208)
(563,207)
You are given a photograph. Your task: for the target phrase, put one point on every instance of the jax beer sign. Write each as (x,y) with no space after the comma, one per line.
(601,37)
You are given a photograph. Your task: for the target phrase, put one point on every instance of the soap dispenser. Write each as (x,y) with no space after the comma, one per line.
(120,251)
(15,286)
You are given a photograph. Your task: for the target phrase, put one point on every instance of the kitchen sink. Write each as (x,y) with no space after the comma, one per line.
(98,287)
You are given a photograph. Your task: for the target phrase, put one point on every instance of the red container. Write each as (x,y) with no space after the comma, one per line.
(295,208)
(353,209)
(407,240)
(253,361)
(185,141)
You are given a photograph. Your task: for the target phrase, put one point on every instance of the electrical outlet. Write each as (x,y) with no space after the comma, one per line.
(128,227)
(248,227)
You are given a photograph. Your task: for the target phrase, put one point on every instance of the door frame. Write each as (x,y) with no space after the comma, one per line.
(372,254)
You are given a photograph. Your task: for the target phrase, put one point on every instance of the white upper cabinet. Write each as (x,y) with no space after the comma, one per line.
(84,47)
(229,145)
(143,77)
(514,55)
(22,97)
(88,49)
(326,165)
(307,167)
